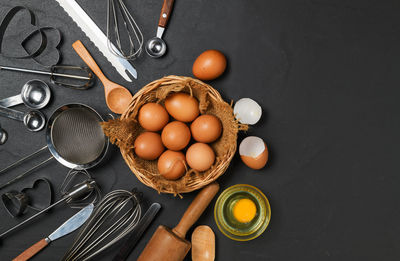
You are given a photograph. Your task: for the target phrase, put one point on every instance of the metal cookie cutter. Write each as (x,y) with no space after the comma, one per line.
(16,202)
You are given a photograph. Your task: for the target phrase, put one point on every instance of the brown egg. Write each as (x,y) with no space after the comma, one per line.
(209,65)
(206,128)
(172,164)
(176,135)
(148,145)
(253,152)
(200,156)
(153,116)
(182,106)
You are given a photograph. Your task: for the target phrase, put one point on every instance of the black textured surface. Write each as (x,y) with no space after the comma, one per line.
(326,75)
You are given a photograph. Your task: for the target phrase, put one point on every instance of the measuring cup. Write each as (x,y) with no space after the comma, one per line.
(33,120)
(35,94)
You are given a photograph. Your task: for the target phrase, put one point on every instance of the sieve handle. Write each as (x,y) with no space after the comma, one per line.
(18,162)
(25,173)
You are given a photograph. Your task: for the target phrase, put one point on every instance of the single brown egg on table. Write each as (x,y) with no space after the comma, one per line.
(148,145)
(153,116)
(172,164)
(209,65)
(253,152)
(182,106)
(206,128)
(175,135)
(200,156)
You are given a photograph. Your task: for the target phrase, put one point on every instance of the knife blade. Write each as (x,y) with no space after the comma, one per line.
(99,39)
(69,226)
(130,243)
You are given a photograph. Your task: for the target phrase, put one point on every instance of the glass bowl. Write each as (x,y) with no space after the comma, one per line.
(226,222)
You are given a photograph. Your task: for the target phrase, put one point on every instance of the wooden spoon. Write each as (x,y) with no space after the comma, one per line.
(203,244)
(117,96)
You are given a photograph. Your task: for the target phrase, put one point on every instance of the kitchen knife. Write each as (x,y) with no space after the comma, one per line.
(69,226)
(131,242)
(97,36)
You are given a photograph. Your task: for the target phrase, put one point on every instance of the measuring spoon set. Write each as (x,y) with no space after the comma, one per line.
(36,94)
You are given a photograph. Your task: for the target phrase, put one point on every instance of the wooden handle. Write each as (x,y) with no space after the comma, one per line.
(33,250)
(165,13)
(81,50)
(195,209)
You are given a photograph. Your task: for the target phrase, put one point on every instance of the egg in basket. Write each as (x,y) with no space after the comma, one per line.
(177,134)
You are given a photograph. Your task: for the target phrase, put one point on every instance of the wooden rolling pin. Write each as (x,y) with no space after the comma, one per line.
(171,245)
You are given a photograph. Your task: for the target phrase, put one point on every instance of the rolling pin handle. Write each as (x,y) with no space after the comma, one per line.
(195,209)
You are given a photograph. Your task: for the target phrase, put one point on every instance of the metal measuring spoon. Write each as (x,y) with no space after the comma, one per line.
(156,47)
(33,120)
(3,136)
(35,94)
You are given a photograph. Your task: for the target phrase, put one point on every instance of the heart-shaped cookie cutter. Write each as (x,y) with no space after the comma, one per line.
(47,198)
(16,202)
(38,30)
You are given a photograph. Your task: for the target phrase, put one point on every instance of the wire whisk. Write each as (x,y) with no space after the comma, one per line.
(116,215)
(118,16)
(76,178)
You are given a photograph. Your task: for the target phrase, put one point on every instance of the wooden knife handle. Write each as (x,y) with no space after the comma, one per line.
(196,208)
(81,50)
(165,13)
(33,250)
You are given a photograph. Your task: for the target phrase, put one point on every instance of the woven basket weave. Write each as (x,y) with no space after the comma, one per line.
(124,131)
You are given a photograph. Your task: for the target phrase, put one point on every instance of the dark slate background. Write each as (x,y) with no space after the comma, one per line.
(326,75)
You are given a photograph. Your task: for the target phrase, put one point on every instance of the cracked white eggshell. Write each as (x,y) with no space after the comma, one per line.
(247,111)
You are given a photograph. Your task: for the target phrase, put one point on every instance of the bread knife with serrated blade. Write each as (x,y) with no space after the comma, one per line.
(99,39)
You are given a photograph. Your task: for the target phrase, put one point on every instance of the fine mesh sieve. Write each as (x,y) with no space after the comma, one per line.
(77,136)
(74,137)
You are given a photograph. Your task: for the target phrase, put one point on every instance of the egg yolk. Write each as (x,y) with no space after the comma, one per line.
(244,210)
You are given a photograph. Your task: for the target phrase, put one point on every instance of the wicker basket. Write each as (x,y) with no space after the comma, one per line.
(124,131)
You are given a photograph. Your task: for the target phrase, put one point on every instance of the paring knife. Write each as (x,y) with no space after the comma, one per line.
(131,242)
(97,36)
(69,226)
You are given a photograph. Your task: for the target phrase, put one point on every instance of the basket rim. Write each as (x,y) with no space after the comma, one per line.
(224,161)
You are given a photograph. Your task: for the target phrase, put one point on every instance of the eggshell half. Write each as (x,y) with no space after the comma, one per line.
(247,111)
(253,152)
